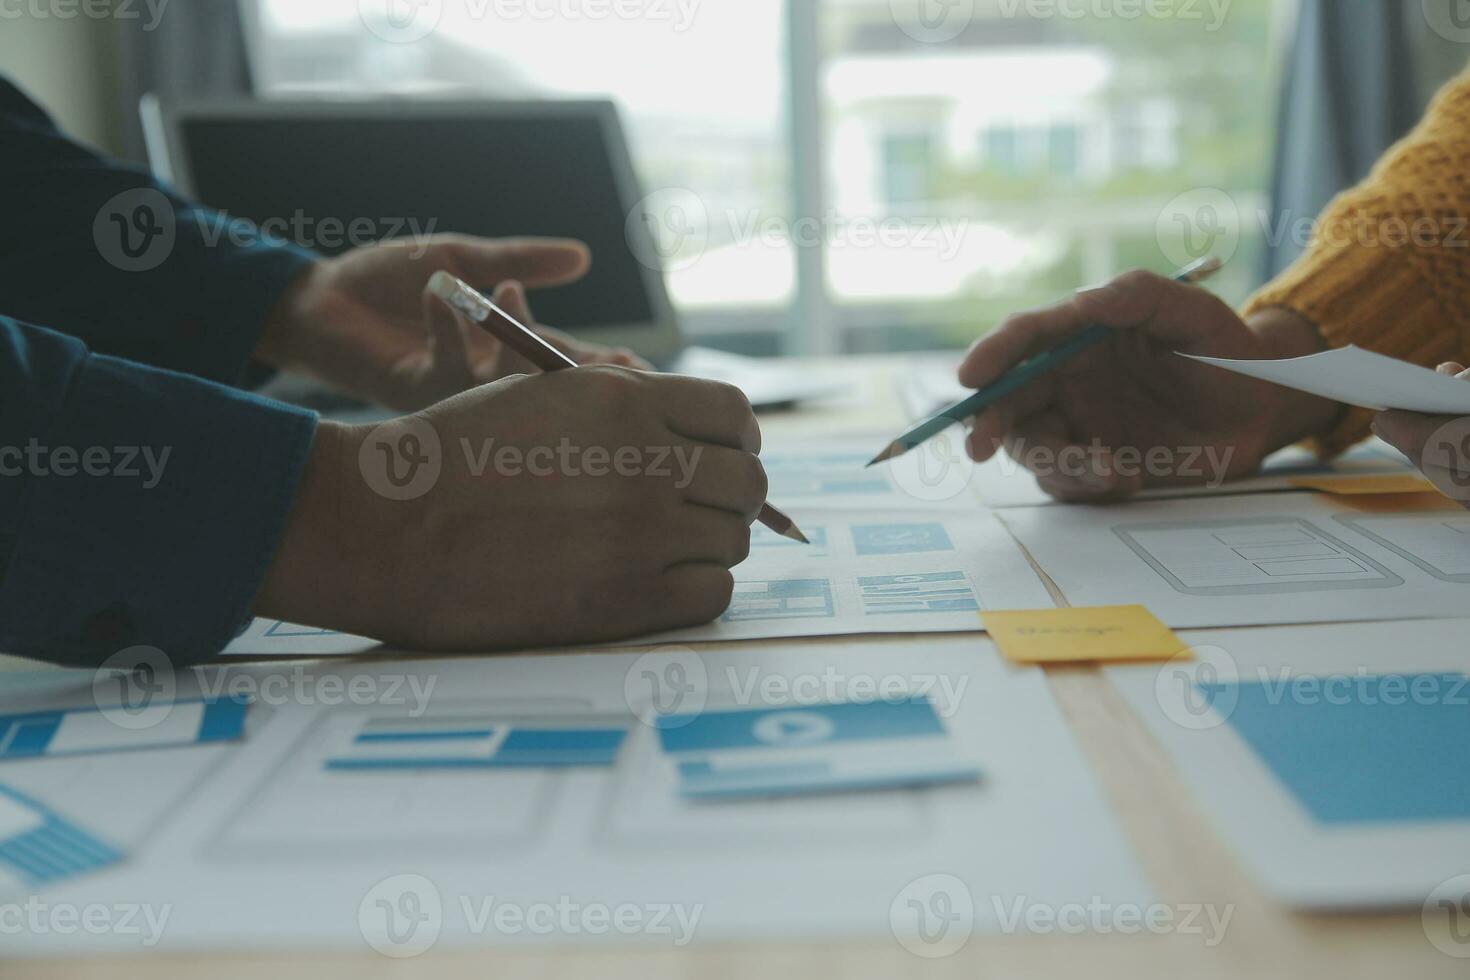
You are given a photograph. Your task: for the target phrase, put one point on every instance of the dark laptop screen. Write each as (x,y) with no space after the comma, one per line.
(311,178)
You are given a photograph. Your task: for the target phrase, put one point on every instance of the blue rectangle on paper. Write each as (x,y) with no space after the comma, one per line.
(27,736)
(803,726)
(521,747)
(55,850)
(1364,751)
(900,539)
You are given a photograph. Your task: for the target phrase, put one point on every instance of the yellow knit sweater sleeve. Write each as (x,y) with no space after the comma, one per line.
(1388,267)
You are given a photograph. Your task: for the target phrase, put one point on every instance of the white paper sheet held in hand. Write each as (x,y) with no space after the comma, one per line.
(1359,377)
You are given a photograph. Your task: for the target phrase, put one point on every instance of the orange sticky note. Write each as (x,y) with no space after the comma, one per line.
(1089,633)
(1364,483)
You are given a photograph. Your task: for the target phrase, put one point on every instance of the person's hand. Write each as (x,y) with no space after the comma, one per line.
(584,505)
(364,324)
(1130,413)
(1438,444)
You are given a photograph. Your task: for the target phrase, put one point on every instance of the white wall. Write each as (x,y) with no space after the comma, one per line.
(66,65)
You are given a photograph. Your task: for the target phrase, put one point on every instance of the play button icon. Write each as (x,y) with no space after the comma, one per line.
(793,728)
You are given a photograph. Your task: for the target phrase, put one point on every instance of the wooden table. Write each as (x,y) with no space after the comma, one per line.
(1171,836)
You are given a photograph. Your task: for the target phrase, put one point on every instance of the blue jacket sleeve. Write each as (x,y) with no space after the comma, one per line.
(141,497)
(138,507)
(102,252)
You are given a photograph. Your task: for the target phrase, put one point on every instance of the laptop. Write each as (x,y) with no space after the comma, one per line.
(495,169)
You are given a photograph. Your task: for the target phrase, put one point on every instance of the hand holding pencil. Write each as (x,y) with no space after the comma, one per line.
(478,308)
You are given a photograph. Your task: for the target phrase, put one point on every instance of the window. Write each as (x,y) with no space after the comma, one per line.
(875,174)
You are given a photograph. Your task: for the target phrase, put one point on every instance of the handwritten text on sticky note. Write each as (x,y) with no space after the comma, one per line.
(1043,636)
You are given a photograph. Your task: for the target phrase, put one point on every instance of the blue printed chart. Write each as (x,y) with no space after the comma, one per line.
(1329,756)
(875,572)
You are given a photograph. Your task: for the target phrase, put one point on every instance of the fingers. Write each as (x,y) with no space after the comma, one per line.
(447,333)
(593,353)
(708,411)
(703,535)
(1177,314)
(510,296)
(729,480)
(487,262)
(696,593)
(1410,432)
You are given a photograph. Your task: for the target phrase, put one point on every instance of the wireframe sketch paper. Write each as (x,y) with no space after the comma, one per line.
(874,572)
(275,844)
(1318,753)
(1258,560)
(883,571)
(1358,377)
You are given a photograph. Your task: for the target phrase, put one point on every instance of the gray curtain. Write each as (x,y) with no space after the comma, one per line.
(1351,90)
(196,51)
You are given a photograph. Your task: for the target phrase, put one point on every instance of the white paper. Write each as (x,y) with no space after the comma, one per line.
(1359,377)
(1241,561)
(273,851)
(1297,859)
(874,572)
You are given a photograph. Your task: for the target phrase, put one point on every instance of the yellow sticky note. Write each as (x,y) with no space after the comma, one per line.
(1050,636)
(1364,483)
